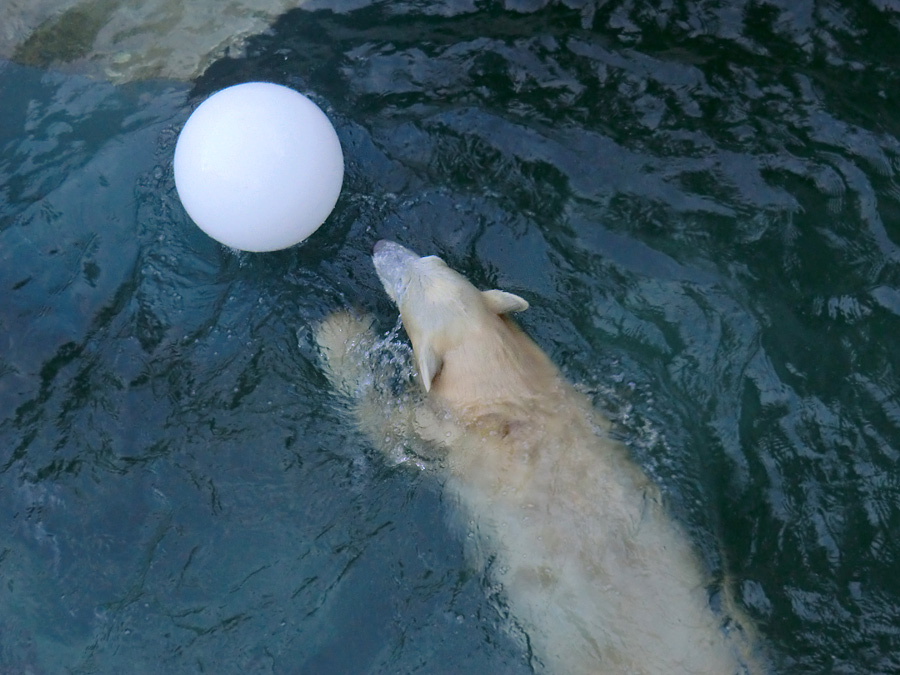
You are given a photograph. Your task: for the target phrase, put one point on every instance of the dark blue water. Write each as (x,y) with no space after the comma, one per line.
(699,200)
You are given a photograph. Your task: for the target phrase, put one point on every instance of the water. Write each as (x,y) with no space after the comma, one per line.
(700,201)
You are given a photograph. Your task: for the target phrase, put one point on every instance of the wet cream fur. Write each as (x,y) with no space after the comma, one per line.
(592,568)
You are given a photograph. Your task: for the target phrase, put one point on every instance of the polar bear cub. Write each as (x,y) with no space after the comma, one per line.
(593,570)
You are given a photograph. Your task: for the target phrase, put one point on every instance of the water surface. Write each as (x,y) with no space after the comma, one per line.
(699,200)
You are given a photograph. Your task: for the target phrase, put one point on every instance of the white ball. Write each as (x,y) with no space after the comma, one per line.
(258,166)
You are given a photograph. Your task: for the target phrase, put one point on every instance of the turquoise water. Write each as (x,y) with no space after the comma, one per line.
(700,201)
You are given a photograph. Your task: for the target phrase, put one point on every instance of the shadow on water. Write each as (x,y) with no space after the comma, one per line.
(699,200)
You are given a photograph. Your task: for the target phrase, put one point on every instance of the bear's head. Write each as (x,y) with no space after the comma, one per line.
(439,307)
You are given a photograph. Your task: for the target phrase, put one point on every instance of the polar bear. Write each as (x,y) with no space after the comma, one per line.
(592,569)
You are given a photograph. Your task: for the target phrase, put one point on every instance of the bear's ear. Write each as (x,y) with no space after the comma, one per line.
(501,302)
(429,364)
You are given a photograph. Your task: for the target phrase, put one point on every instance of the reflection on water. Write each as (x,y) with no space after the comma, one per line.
(699,200)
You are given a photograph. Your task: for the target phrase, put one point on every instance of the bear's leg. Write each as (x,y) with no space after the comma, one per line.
(345,342)
(364,369)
